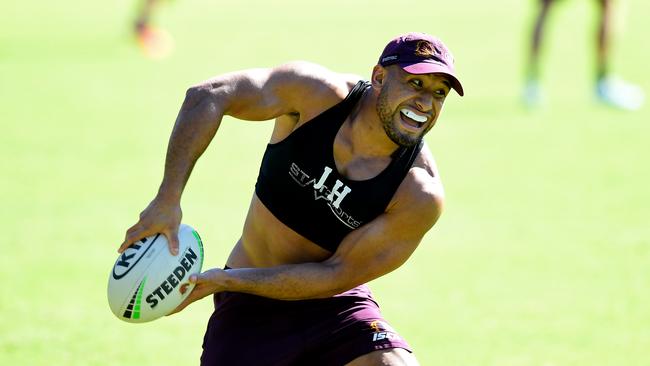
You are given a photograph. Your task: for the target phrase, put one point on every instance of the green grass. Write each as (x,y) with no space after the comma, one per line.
(541,257)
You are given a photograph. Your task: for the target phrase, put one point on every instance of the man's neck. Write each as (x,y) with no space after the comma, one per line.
(365,131)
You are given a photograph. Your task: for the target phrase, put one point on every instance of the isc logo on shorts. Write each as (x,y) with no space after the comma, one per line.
(383,331)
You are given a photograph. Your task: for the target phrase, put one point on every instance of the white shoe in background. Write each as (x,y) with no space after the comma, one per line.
(619,94)
(532,95)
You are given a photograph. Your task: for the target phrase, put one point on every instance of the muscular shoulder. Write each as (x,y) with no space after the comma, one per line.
(421,194)
(311,88)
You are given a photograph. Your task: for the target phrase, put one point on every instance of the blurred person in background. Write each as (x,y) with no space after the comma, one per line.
(609,89)
(155,42)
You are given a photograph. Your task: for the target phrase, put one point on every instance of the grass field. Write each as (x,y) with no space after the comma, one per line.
(542,257)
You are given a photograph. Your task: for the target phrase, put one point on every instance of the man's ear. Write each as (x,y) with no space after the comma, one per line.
(378,76)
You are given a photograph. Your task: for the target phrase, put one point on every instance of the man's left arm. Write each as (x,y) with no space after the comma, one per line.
(367,253)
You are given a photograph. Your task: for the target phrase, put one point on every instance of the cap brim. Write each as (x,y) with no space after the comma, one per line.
(434,68)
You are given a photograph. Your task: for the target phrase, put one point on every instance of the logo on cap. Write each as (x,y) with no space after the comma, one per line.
(424,49)
(389,58)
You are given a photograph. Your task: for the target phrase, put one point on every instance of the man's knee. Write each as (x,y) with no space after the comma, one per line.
(387,357)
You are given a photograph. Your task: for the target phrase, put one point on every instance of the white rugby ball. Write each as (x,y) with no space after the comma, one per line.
(148,282)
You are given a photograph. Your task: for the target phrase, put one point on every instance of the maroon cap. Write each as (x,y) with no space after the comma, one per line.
(420,53)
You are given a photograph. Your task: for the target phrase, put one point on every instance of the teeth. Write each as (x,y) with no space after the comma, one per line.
(414,116)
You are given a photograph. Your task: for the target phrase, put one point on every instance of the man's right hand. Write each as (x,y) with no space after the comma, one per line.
(159,217)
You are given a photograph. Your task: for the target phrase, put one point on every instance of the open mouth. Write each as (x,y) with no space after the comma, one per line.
(412,119)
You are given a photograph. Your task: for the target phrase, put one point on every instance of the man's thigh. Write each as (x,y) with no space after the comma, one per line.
(387,357)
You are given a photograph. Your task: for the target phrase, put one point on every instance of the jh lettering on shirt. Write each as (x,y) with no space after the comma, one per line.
(340,190)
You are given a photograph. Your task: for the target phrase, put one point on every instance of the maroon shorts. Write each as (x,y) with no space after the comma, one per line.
(252,330)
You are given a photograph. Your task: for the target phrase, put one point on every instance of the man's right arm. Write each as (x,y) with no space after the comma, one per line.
(256,94)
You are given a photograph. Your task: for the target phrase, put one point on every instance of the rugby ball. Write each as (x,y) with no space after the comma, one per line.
(148,282)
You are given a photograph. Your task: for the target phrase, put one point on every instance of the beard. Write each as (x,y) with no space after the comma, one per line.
(387,116)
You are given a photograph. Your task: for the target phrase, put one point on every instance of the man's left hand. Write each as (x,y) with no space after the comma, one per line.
(206,283)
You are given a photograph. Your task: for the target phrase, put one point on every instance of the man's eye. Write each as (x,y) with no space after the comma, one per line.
(416,82)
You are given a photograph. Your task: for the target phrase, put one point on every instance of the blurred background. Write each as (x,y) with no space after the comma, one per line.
(541,257)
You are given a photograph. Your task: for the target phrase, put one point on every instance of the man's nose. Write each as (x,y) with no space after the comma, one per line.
(424,102)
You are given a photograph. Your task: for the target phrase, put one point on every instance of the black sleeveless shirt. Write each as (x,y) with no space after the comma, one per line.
(299,183)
